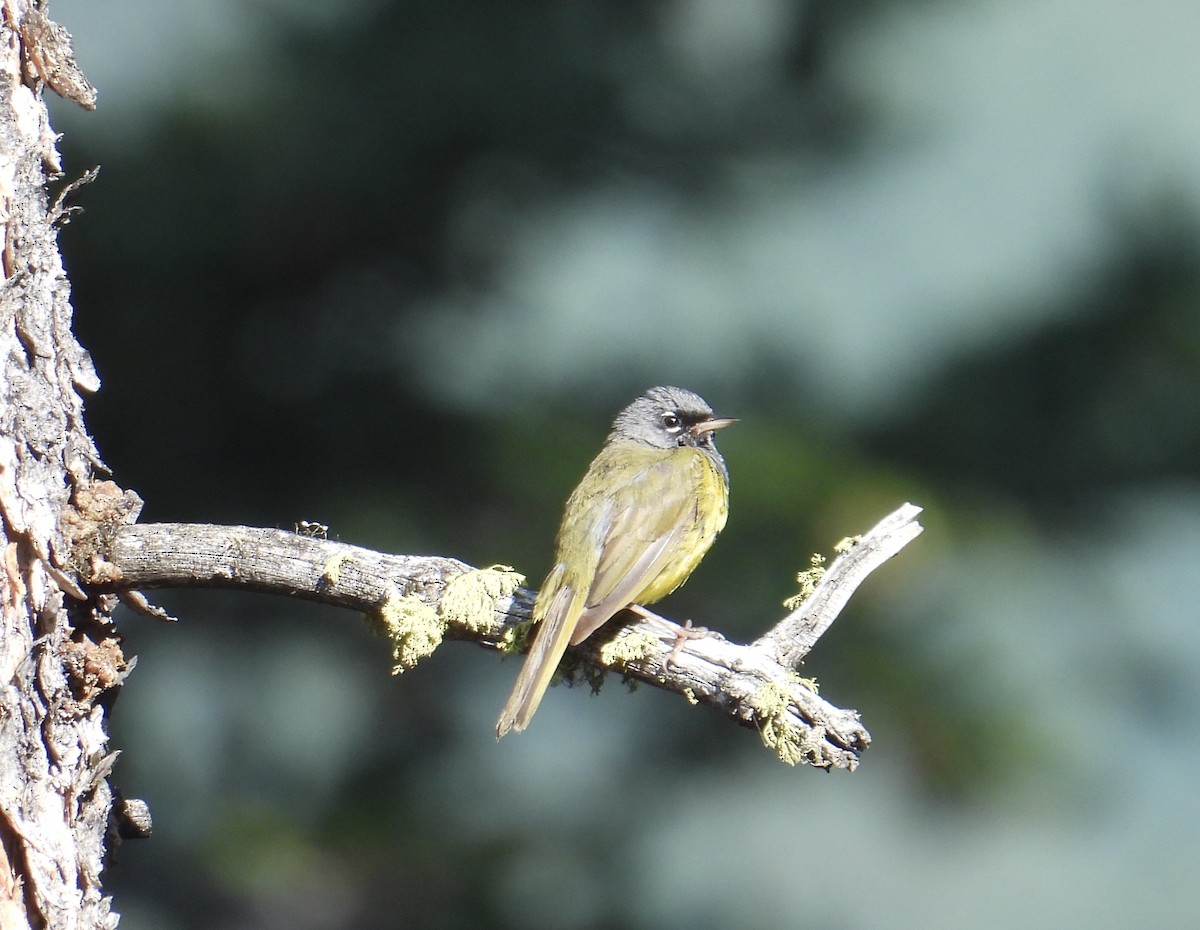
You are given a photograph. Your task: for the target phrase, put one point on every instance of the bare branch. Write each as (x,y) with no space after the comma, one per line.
(423,599)
(793,637)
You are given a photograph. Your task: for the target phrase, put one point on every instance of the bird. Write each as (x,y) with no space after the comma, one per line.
(645,513)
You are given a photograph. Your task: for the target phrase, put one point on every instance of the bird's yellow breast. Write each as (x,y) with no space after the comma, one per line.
(638,523)
(708,492)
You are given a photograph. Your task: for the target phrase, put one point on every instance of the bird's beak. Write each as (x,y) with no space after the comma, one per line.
(708,426)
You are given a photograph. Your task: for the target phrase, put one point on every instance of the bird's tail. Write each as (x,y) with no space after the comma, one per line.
(550,642)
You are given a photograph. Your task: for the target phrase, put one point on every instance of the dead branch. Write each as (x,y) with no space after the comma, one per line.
(422,599)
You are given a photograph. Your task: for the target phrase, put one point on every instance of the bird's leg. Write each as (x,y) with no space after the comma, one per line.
(645,613)
(682,635)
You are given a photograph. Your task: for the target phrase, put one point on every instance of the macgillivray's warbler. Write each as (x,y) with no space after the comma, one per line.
(638,524)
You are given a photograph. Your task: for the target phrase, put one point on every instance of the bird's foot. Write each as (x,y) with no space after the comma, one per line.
(682,635)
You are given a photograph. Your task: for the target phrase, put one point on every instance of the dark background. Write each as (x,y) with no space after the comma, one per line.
(393,266)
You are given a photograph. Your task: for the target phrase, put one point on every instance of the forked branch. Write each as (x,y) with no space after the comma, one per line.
(420,600)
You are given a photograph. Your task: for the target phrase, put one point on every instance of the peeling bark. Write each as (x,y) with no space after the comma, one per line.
(59,656)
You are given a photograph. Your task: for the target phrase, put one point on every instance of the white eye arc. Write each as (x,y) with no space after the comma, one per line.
(671,423)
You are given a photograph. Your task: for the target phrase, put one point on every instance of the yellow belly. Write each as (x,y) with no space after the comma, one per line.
(709,512)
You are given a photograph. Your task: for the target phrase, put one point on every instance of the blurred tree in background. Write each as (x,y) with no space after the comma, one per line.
(394,265)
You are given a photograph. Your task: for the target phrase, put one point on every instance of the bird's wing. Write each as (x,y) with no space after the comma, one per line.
(648,522)
(622,541)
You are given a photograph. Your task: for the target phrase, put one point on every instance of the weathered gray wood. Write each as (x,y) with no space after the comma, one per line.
(754,684)
(57,656)
(794,636)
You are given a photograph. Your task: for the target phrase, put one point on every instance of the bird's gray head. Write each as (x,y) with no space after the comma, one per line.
(666,417)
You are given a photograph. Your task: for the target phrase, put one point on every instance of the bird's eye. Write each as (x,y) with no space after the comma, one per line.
(671,423)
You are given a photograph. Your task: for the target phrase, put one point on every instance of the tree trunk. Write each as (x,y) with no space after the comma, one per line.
(60,656)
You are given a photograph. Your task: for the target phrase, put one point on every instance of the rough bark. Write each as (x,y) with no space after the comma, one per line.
(59,655)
